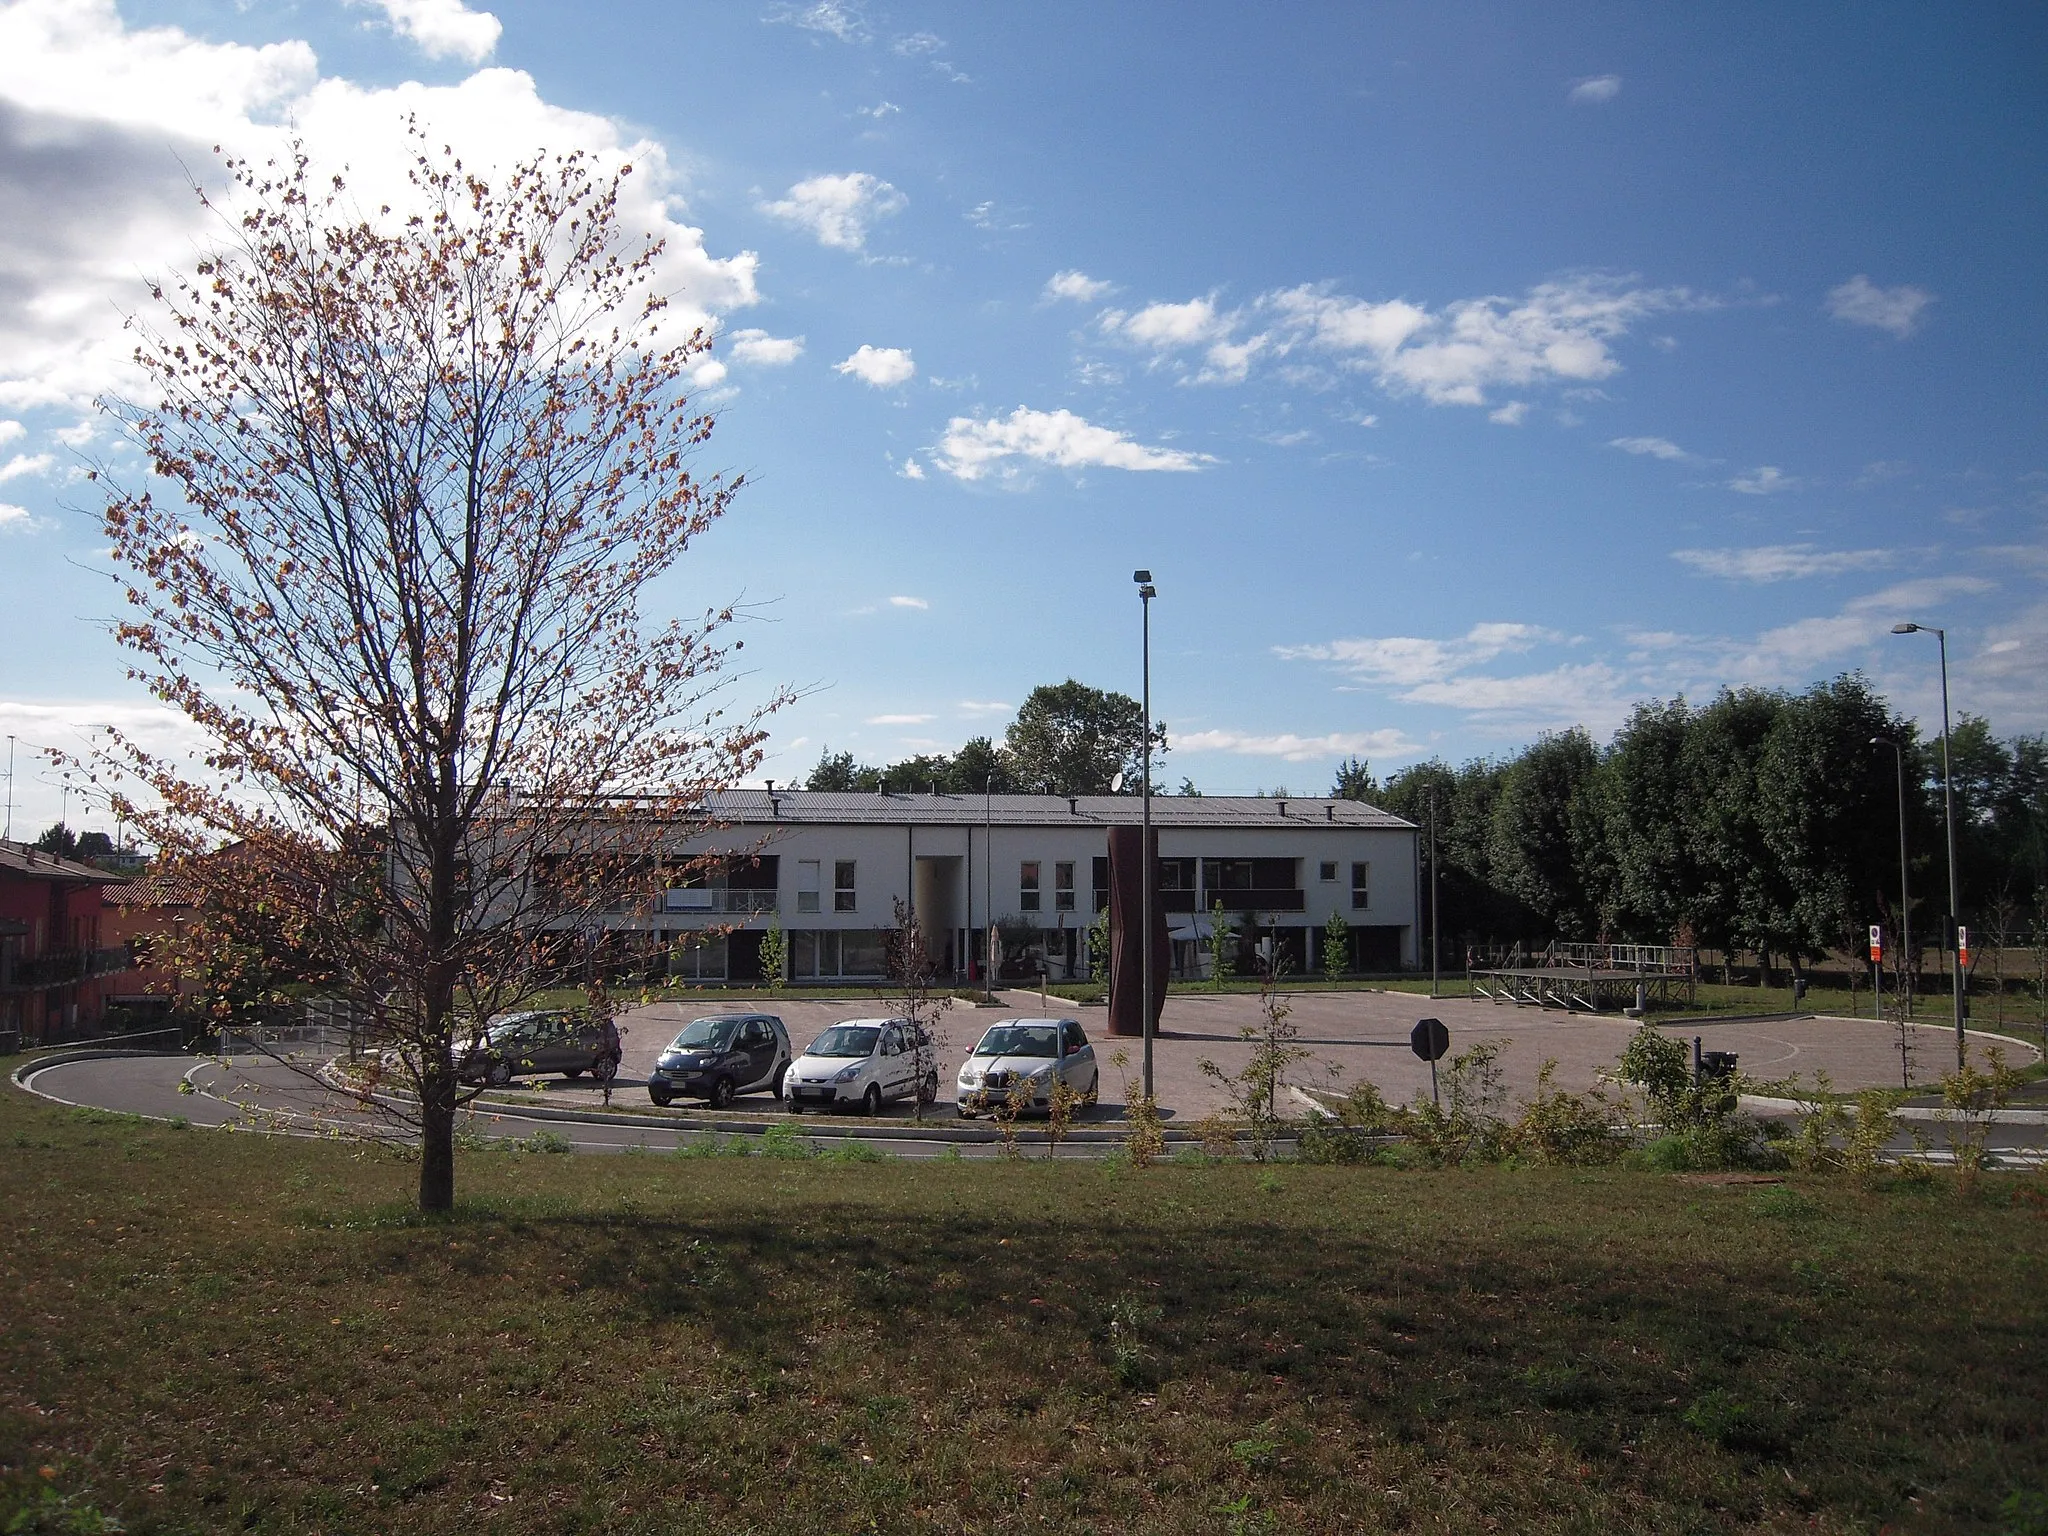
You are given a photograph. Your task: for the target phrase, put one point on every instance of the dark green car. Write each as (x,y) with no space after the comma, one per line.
(570,1041)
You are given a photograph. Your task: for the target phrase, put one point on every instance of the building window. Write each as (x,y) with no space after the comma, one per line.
(807,878)
(1361,887)
(1063,887)
(1027,886)
(1328,870)
(842,886)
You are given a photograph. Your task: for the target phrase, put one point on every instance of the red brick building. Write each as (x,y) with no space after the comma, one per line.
(54,948)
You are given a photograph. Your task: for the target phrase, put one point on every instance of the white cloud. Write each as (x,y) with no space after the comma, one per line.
(880,367)
(16,519)
(1075,285)
(879,110)
(1165,326)
(834,18)
(1510,415)
(1654,447)
(911,470)
(1859,301)
(971,449)
(898,719)
(1405,661)
(759,349)
(26,464)
(1781,562)
(1595,89)
(838,210)
(928,46)
(1299,749)
(444,29)
(908,602)
(100,122)
(1794,652)
(10,430)
(985,707)
(1762,481)
(1557,333)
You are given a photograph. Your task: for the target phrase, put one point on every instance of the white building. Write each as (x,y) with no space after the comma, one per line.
(831,867)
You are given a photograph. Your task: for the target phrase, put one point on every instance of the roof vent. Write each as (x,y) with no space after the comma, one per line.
(1073,805)
(935,789)
(1329,813)
(1283,807)
(771,789)
(774,807)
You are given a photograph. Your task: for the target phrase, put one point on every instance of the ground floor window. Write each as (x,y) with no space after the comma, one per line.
(821,954)
(698,956)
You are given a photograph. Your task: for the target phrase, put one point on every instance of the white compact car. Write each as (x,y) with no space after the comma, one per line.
(1022,1056)
(868,1062)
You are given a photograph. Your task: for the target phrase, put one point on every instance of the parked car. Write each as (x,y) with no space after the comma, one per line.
(720,1057)
(571,1041)
(1022,1056)
(869,1062)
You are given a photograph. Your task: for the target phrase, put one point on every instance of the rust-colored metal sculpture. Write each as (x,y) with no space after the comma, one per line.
(1126,900)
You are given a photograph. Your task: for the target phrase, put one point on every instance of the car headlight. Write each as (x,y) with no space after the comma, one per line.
(848,1074)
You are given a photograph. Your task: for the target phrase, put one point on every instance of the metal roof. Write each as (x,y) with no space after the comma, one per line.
(828,807)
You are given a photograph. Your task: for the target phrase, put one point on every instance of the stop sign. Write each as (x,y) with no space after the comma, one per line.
(1429,1039)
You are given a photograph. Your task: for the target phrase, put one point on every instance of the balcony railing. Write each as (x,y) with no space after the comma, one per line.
(1260,900)
(63,967)
(719,899)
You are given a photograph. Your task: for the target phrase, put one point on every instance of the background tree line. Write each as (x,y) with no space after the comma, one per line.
(1764,822)
(1067,739)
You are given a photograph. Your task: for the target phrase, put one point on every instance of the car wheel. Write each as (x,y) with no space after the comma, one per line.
(963,1111)
(781,1080)
(792,1106)
(721,1093)
(871,1101)
(500,1074)
(661,1096)
(1094,1094)
(929,1093)
(572,1073)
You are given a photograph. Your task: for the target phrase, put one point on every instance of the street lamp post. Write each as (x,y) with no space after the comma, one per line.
(1905,900)
(1146,592)
(1948,804)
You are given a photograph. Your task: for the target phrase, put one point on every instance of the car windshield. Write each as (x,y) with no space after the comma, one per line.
(705,1035)
(1020,1040)
(515,1026)
(846,1040)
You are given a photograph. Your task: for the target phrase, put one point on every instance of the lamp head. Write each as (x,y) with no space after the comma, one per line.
(1148,591)
(1141,577)
(1880,741)
(1905,629)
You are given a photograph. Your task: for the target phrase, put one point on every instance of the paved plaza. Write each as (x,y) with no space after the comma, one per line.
(1363,1035)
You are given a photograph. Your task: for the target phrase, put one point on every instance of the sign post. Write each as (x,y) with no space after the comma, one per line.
(1876,971)
(1429,1040)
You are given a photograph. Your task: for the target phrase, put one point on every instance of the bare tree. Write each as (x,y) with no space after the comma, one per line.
(424,466)
(912,976)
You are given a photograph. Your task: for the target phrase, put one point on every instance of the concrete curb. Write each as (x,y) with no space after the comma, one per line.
(1764,1104)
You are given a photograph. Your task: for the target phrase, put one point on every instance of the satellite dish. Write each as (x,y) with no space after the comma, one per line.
(1116,785)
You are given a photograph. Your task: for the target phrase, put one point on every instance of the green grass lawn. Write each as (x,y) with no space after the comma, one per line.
(208,1331)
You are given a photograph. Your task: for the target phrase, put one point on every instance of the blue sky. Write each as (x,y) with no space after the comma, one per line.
(1460,374)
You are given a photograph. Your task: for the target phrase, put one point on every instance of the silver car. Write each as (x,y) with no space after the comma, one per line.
(1022,1057)
(864,1062)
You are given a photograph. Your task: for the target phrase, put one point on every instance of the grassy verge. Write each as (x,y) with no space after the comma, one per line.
(212,1332)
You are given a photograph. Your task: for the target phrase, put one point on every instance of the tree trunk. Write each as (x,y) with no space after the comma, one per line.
(437,1140)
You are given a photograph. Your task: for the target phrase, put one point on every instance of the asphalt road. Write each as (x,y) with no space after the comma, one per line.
(283,1096)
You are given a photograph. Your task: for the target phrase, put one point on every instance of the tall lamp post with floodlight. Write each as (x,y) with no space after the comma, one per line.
(1146,872)
(1948,804)
(1905,899)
